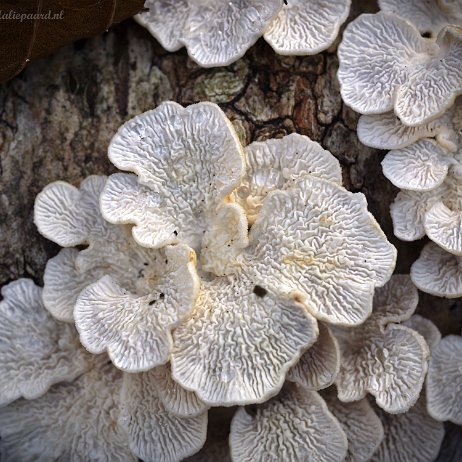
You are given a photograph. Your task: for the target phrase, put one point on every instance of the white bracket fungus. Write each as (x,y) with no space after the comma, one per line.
(215,32)
(425,328)
(295,425)
(411,436)
(125,299)
(306,27)
(382,358)
(74,421)
(282,275)
(429,16)
(436,213)
(360,423)
(154,434)
(274,164)
(438,272)
(319,365)
(444,380)
(36,351)
(385,64)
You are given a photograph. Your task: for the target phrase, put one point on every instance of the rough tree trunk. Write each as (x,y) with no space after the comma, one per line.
(57,117)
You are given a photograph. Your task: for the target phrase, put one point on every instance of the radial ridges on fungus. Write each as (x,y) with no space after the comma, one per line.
(195,308)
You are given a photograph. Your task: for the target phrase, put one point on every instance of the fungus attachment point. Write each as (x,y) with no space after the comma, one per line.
(259,291)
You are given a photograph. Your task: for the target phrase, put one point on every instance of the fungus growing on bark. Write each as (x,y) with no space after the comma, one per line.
(295,425)
(306,27)
(125,298)
(362,427)
(413,435)
(274,164)
(425,328)
(429,16)
(215,33)
(381,357)
(74,421)
(419,78)
(438,272)
(444,380)
(36,351)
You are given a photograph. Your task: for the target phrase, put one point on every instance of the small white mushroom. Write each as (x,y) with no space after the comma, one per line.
(360,423)
(314,248)
(411,436)
(154,434)
(382,358)
(438,272)
(74,421)
(176,399)
(425,328)
(219,32)
(386,131)
(276,163)
(165,20)
(422,166)
(319,365)
(187,161)
(386,65)
(306,27)
(429,16)
(295,425)
(36,351)
(444,380)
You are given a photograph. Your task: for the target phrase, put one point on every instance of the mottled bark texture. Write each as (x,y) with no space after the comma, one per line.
(57,117)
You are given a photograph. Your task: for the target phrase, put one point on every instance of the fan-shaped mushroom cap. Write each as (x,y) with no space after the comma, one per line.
(413,435)
(360,423)
(425,328)
(422,166)
(319,365)
(74,422)
(239,342)
(438,272)
(175,398)
(188,160)
(444,380)
(313,247)
(386,131)
(276,163)
(306,27)
(36,351)
(385,64)
(154,434)
(135,328)
(219,32)
(429,16)
(165,20)
(385,359)
(295,425)
(125,298)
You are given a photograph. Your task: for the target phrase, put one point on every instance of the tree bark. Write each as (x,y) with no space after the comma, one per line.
(58,116)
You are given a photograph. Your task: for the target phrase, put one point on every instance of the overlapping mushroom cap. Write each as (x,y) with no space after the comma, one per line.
(382,358)
(36,351)
(295,425)
(124,298)
(444,380)
(216,33)
(413,435)
(360,423)
(385,64)
(74,421)
(429,16)
(436,213)
(306,27)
